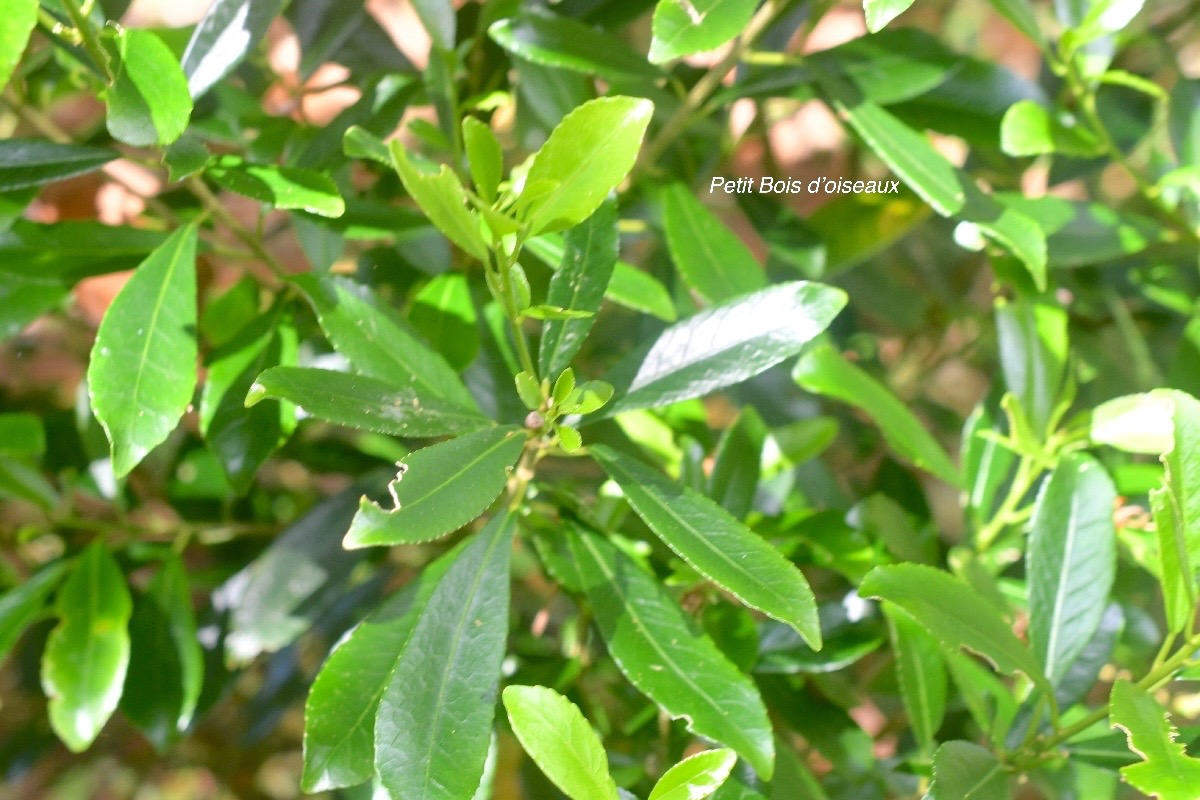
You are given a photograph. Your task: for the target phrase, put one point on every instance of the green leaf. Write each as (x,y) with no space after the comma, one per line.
(549,39)
(1070,561)
(823,371)
(377,341)
(358,142)
(1029,129)
(143,364)
(710,258)
(148,102)
(1184,121)
(921,674)
(1079,233)
(1136,423)
(279,187)
(166,664)
(339,715)
(881,12)
(19,20)
(1020,14)
(1175,564)
(1166,771)
(435,718)
(1033,355)
(657,648)
(953,612)
(437,17)
(444,200)
(22,435)
(949,191)
(33,162)
(365,403)
(587,155)
(583,274)
(966,771)
(737,463)
(441,488)
(83,666)
(725,344)
(559,739)
(696,777)
(229,30)
(718,546)
(444,314)
(22,605)
(185,157)
(683,27)
(484,156)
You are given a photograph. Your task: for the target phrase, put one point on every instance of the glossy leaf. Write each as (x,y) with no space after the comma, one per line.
(587,155)
(953,613)
(724,345)
(696,777)
(289,188)
(710,258)
(920,673)
(823,371)
(87,654)
(377,341)
(18,23)
(484,155)
(148,102)
(1071,561)
(435,717)
(23,604)
(1166,771)
(653,643)
(556,41)
(444,314)
(442,488)
(881,12)
(718,546)
(444,200)
(579,283)
(555,734)
(683,27)
(966,771)
(222,40)
(34,162)
(143,365)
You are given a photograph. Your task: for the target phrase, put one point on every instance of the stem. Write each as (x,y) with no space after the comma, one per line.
(91,42)
(213,203)
(1027,473)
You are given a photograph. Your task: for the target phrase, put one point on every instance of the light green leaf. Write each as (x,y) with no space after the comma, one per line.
(442,311)
(1175,564)
(921,674)
(1029,129)
(587,155)
(21,605)
(718,546)
(435,717)
(1136,423)
(966,771)
(683,27)
(18,22)
(289,188)
(143,364)
(363,402)
(655,645)
(1079,233)
(552,40)
(444,200)
(710,258)
(22,435)
(881,12)
(358,142)
(1070,561)
(559,739)
(440,488)
(696,777)
(484,156)
(148,102)
(1166,771)
(724,345)
(823,371)
(33,162)
(87,653)
(229,30)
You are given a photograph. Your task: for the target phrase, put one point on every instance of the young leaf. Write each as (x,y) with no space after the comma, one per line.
(684,27)
(724,345)
(1028,129)
(444,200)
(1182,480)
(1166,771)
(148,103)
(143,364)
(553,40)
(440,488)
(653,643)
(445,315)
(33,162)
(587,155)
(435,717)
(921,674)
(823,371)
(579,283)
(718,546)
(696,777)
(18,22)
(1071,560)
(484,156)
(713,261)
(21,605)
(289,188)
(953,613)
(1179,591)
(83,666)
(555,734)
(166,664)
(881,12)
(966,771)
(223,38)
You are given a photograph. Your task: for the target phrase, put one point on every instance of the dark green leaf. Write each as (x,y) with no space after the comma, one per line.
(148,103)
(435,717)
(696,777)
(33,162)
(920,673)
(736,463)
(1033,354)
(143,365)
(715,544)
(713,261)
(23,604)
(656,647)
(1166,771)
(86,656)
(556,41)
(445,315)
(19,20)
(1184,121)
(279,187)
(185,157)
(966,771)
(441,488)
(223,38)
(1080,233)
(724,345)
(684,27)
(438,18)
